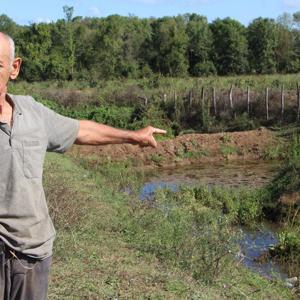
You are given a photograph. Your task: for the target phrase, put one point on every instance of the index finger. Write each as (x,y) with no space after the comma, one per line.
(159,131)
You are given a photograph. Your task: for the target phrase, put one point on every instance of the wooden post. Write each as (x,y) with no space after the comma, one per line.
(248,100)
(145,99)
(282,101)
(190,98)
(298,101)
(202,104)
(214,101)
(267,103)
(165,98)
(175,104)
(230,97)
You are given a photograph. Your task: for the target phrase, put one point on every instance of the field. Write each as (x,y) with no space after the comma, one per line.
(98,254)
(210,104)
(180,245)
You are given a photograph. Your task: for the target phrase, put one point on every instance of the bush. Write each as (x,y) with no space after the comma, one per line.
(204,69)
(177,228)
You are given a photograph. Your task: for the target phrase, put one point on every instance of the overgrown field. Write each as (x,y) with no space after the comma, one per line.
(110,245)
(179,105)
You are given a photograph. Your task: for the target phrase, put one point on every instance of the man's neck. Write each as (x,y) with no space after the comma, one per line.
(6,110)
(2,105)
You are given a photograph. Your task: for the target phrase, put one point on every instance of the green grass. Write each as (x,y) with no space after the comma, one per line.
(121,103)
(101,253)
(157,158)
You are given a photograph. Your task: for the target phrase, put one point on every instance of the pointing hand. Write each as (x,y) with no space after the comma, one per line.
(145,136)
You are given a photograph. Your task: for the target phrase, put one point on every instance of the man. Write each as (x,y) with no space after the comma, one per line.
(27,131)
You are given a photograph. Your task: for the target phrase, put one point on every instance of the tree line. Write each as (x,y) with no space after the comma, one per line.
(130,47)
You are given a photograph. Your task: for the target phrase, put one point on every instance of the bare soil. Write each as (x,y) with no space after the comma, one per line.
(187,149)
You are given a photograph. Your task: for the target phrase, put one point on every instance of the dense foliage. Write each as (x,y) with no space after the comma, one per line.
(117,47)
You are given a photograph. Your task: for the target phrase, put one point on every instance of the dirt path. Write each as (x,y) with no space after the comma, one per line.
(188,148)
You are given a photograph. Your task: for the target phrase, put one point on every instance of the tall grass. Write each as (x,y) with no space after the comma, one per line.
(115,246)
(178,104)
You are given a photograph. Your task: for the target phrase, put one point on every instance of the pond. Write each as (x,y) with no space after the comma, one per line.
(230,174)
(253,243)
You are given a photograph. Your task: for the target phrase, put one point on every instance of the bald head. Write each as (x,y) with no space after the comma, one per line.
(9,64)
(4,38)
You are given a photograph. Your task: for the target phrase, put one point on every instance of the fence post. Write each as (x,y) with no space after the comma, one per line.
(202,105)
(267,103)
(145,99)
(282,101)
(214,101)
(190,98)
(298,100)
(230,98)
(248,100)
(165,98)
(176,106)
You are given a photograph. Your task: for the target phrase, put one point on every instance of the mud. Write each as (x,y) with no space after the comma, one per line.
(188,149)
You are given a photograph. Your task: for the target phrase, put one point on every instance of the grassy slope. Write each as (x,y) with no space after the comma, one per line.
(93,261)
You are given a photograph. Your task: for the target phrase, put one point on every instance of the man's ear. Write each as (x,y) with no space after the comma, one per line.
(15,68)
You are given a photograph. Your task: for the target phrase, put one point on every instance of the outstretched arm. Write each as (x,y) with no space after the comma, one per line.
(92,133)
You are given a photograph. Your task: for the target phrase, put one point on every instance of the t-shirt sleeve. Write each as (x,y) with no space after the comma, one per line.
(61,131)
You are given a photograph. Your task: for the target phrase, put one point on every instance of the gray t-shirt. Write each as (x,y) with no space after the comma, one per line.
(25,224)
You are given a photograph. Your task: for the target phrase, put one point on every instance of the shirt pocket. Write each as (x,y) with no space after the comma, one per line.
(4,157)
(33,159)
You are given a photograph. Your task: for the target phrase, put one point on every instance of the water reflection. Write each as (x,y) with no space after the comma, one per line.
(254,244)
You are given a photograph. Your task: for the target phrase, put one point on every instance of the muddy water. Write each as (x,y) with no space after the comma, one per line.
(253,243)
(230,174)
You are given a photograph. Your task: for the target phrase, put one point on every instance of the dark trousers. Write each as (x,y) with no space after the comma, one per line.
(22,277)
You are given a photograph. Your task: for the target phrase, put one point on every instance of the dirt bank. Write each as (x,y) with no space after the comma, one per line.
(188,148)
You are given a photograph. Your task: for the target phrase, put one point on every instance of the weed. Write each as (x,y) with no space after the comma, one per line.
(226,138)
(178,230)
(157,158)
(287,252)
(273,152)
(227,150)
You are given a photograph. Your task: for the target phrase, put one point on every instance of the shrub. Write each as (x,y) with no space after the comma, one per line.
(177,228)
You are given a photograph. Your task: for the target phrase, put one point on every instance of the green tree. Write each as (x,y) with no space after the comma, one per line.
(70,39)
(35,45)
(199,46)
(8,26)
(84,51)
(285,54)
(230,46)
(118,46)
(108,46)
(168,46)
(263,42)
(68,11)
(296,40)
(135,34)
(58,67)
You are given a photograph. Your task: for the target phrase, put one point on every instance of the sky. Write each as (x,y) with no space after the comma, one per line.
(35,11)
